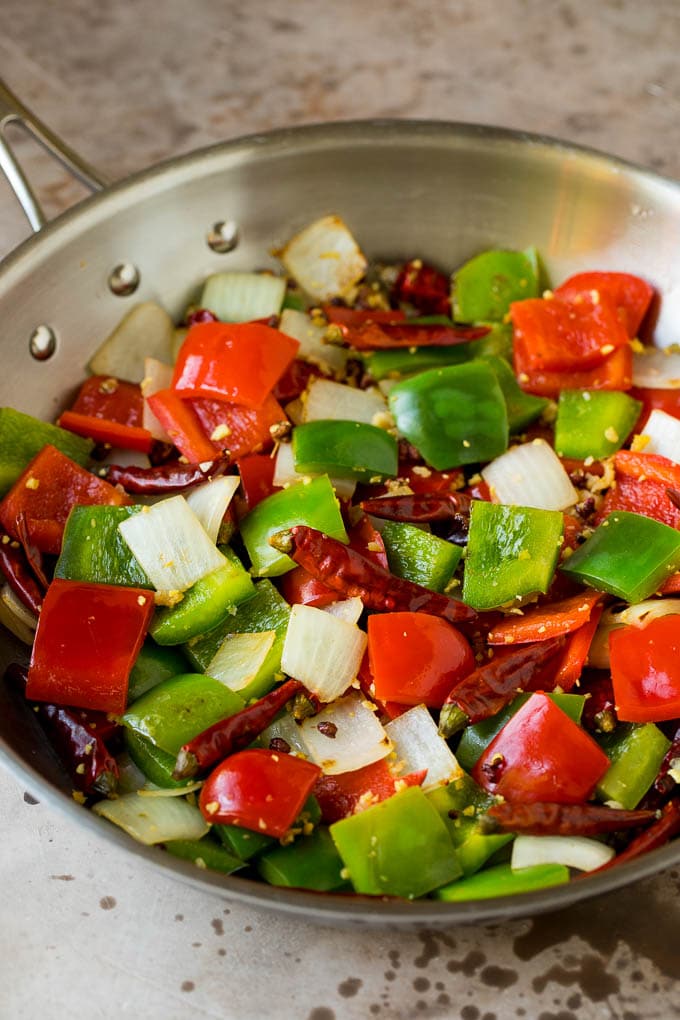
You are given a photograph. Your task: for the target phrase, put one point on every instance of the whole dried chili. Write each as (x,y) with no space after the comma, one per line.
(373,336)
(78,739)
(667,826)
(34,557)
(547,819)
(492,686)
(165,478)
(423,286)
(234,733)
(419,509)
(599,710)
(347,571)
(15,566)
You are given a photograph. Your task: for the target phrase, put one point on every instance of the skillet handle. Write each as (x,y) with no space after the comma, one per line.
(13,111)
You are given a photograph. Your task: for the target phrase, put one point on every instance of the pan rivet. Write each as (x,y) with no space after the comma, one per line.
(43,343)
(223,237)
(124,279)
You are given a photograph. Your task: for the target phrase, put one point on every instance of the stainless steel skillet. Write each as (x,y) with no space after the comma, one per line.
(440,190)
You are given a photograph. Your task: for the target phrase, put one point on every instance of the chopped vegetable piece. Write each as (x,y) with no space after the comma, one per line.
(613,372)
(635,752)
(258,789)
(542,622)
(379,847)
(592,423)
(311,862)
(629,294)
(325,259)
(23,437)
(110,433)
(645,665)
(87,639)
(453,415)
(419,556)
(154,819)
(501,880)
(93,548)
(486,285)
(530,475)
(419,748)
(345,448)
(146,331)
(579,852)
(180,421)
(242,297)
(460,805)
(322,651)
(205,853)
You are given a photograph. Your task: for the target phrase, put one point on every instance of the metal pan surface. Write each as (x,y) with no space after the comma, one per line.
(441,190)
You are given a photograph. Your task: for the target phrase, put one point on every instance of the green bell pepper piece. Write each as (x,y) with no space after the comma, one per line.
(311,862)
(311,503)
(594,423)
(399,847)
(477,737)
(179,709)
(512,551)
(152,666)
(522,408)
(636,751)
(419,556)
(501,880)
(345,449)
(404,361)
(294,299)
(453,415)
(246,843)
(22,437)
(205,853)
(93,548)
(628,555)
(459,804)
(486,285)
(157,765)
(206,604)
(267,610)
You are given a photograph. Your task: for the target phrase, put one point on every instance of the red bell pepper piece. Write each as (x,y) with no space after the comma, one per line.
(45,493)
(259,789)
(240,430)
(182,424)
(423,286)
(102,396)
(541,755)
(546,621)
(644,497)
(629,294)
(615,372)
(645,665)
(342,795)
(105,430)
(416,658)
(235,362)
(87,640)
(257,477)
(655,399)
(559,335)
(648,466)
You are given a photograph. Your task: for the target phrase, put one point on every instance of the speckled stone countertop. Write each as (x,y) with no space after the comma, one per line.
(85,928)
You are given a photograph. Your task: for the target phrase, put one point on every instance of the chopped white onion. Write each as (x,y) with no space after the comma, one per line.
(345,736)
(146,331)
(325,259)
(126,458)
(16,617)
(321,651)
(287,729)
(210,501)
(530,475)
(157,376)
(325,400)
(418,745)
(313,347)
(151,790)
(346,609)
(285,473)
(662,432)
(171,545)
(578,852)
(239,658)
(243,296)
(621,615)
(657,368)
(154,819)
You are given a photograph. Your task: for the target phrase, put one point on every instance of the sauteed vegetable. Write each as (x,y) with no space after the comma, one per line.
(367,581)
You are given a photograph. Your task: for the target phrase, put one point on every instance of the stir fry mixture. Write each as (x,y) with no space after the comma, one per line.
(365,578)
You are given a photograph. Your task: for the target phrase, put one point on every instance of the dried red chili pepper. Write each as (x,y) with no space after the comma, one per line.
(347,571)
(544,819)
(667,826)
(373,336)
(233,734)
(599,710)
(77,738)
(492,686)
(34,557)
(423,286)
(665,784)
(16,568)
(419,509)
(165,478)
